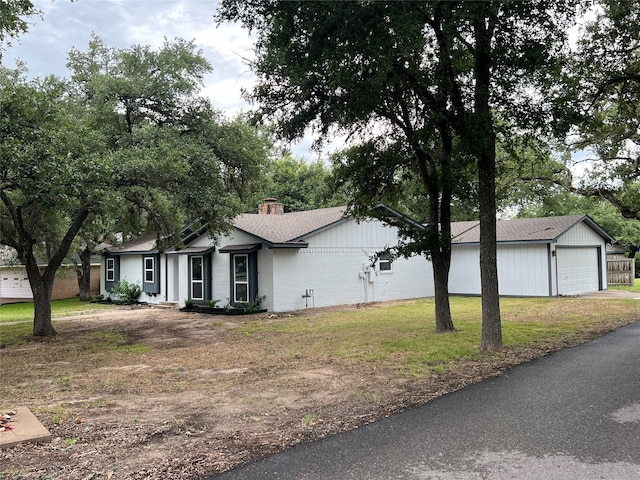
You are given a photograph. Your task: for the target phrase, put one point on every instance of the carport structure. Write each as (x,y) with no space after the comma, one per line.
(539,257)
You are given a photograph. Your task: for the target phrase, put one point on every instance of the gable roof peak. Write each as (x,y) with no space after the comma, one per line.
(290,226)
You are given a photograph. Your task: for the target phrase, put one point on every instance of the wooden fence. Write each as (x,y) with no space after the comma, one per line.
(620,270)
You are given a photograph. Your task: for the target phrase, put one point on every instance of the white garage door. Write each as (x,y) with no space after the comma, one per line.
(578,270)
(14,284)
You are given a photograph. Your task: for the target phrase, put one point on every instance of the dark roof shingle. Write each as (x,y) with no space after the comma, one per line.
(545,229)
(288,227)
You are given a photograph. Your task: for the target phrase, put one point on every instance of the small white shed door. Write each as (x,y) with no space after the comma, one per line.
(578,270)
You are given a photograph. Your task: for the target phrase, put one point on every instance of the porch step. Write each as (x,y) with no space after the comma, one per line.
(166,305)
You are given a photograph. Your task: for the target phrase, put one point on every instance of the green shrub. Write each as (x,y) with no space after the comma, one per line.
(254,306)
(125,293)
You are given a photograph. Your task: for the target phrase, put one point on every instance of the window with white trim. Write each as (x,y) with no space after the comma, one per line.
(197,278)
(384,263)
(241,278)
(111,270)
(149,269)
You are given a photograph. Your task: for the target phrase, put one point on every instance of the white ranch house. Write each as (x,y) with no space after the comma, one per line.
(321,258)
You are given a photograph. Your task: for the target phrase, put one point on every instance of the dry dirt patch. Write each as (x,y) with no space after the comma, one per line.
(159,394)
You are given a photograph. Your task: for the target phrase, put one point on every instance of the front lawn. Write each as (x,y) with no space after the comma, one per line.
(634,288)
(145,392)
(402,336)
(18,312)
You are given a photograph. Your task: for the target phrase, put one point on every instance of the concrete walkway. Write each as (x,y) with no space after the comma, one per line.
(610,293)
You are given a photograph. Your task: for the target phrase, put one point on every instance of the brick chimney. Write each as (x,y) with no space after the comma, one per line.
(271,206)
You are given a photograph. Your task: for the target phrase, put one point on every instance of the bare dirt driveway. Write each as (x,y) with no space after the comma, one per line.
(161,394)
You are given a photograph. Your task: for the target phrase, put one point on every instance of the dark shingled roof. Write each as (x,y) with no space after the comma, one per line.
(146,243)
(288,227)
(546,229)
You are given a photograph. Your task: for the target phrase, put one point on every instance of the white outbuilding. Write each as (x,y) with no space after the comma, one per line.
(541,257)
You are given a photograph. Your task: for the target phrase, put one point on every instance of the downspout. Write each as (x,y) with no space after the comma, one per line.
(550,252)
(600,269)
(555,257)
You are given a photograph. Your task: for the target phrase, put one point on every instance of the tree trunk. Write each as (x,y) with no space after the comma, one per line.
(441,254)
(485,146)
(438,232)
(491,323)
(83,272)
(444,322)
(41,287)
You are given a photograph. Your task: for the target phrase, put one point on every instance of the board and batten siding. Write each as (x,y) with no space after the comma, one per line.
(574,264)
(523,270)
(464,273)
(580,234)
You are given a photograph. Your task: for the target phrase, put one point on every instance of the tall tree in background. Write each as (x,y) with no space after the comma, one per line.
(441,70)
(604,92)
(157,89)
(350,65)
(46,190)
(298,184)
(13,20)
(128,141)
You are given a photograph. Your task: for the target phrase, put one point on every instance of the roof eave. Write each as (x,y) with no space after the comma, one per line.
(316,231)
(132,252)
(293,244)
(598,229)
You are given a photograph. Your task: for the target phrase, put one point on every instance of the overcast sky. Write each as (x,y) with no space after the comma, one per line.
(66,24)
(122,23)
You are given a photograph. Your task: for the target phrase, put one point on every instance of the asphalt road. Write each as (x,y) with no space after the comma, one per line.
(572,415)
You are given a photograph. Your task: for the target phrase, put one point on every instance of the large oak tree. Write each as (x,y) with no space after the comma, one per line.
(128,141)
(603,96)
(424,75)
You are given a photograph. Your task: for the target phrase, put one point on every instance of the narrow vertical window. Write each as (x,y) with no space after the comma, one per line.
(149,269)
(197,279)
(241,278)
(111,270)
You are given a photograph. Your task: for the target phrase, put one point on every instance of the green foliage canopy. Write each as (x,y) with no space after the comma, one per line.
(13,14)
(127,141)
(603,93)
(407,79)
(298,184)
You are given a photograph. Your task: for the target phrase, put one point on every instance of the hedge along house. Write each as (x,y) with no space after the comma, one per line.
(541,257)
(294,260)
